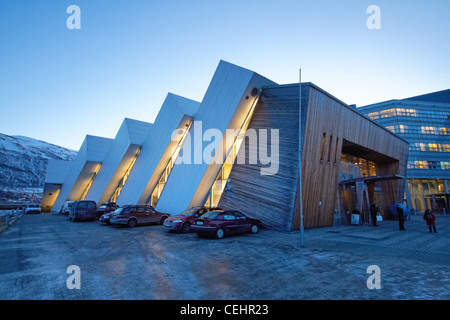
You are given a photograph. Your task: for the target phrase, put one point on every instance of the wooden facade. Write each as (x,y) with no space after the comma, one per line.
(329,127)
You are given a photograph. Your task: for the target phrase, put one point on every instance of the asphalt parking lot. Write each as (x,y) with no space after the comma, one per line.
(147,262)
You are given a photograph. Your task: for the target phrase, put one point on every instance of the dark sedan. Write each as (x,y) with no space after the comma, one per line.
(134,215)
(183,221)
(222,223)
(106,207)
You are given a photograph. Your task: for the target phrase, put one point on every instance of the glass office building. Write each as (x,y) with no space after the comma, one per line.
(423,121)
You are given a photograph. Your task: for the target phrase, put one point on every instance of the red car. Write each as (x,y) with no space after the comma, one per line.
(222,223)
(183,221)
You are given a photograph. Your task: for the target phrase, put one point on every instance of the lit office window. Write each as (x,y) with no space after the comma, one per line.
(445,165)
(443,131)
(428,130)
(374,115)
(421,165)
(433,147)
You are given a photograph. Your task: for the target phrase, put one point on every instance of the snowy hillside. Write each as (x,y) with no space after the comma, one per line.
(23,161)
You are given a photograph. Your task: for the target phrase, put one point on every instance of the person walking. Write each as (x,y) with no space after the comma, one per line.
(430,218)
(401,220)
(373,214)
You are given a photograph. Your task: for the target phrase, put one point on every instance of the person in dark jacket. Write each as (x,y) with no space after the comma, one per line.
(401,219)
(430,218)
(373,214)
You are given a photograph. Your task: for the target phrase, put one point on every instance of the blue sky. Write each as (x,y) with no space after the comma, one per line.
(58,85)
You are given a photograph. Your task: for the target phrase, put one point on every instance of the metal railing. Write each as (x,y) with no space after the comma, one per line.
(9,217)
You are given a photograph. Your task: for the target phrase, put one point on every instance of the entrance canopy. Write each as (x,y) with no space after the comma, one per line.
(371,179)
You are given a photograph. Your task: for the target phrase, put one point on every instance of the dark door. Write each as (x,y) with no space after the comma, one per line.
(91,209)
(141,215)
(153,216)
(230,225)
(243,222)
(81,210)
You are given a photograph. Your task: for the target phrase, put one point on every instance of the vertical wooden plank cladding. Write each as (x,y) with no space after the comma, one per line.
(320,179)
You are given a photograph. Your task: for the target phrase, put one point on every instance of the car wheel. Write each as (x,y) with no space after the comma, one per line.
(132,223)
(186,228)
(162,220)
(69,218)
(220,233)
(254,229)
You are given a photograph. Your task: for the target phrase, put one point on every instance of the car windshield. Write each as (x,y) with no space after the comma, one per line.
(210,215)
(188,213)
(119,210)
(102,207)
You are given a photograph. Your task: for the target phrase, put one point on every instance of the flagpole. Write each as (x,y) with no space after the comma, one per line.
(302,231)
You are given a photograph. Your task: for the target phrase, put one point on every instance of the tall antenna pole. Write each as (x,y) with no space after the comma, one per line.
(302,230)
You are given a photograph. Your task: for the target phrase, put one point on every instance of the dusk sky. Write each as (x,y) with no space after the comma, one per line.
(58,84)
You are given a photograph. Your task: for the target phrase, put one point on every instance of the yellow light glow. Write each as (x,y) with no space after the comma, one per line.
(219,184)
(124,179)
(91,180)
(156,194)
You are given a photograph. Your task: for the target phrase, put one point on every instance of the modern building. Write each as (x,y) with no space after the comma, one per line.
(57,171)
(83,170)
(423,121)
(242,148)
(118,161)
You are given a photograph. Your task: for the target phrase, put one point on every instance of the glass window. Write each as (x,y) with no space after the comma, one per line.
(210,215)
(239,215)
(229,217)
(82,205)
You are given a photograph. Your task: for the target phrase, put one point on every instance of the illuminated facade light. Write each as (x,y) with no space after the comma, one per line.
(91,180)
(156,194)
(220,182)
(125,177)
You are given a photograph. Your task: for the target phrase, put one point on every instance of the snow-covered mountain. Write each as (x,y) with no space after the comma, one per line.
(23,161)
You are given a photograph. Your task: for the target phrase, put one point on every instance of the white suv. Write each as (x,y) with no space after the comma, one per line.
(33,208)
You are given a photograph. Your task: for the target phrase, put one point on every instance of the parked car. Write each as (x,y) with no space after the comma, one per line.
(106,207)
(82,210)
(33,208)
(66,207)
(133,215)
(223,223)
(107,216)
(183,221)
